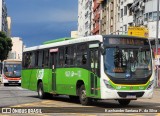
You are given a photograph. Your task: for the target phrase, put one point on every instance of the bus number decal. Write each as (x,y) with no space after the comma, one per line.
(72,73)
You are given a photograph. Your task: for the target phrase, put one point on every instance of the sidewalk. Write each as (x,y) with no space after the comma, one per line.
(155,98)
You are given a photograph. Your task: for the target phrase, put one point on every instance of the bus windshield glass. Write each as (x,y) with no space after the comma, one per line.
(127,62)
(12,70)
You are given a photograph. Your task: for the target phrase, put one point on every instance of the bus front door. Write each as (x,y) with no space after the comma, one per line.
(53,57)
(94,66)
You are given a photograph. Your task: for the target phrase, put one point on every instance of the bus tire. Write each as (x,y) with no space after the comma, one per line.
(84,100)
(124,102)
(41,93)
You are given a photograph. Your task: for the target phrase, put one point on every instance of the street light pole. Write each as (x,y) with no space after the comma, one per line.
(157,42)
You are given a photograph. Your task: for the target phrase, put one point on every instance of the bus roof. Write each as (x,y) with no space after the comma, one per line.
(66,42)
(128,36)
(57,40)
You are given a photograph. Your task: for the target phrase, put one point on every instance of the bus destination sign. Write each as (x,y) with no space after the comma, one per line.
(126,41)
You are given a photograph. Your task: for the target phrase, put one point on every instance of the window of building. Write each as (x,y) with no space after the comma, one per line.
(150,16)
(121,13)
(125,28)
(125,10)
(154,16)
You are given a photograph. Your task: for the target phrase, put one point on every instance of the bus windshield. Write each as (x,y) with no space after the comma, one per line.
(12,70)
(128,63)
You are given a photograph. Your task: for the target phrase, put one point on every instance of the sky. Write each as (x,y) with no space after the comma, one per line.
(37,21)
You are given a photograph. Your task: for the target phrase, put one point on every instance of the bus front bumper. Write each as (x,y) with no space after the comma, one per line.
(115,94)
(11,81)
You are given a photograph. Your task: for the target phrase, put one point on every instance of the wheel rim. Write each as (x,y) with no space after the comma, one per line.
(83,96)
(40,91)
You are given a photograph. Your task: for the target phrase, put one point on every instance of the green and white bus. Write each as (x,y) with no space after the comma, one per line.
(117,67)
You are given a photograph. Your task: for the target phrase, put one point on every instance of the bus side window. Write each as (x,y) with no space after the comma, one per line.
(28,62)
(32,60)
(46,58)
(69,55)
(82,54)
(36,58)
(40,56)
(61,57)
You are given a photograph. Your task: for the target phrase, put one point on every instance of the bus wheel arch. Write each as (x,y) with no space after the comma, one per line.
(78,86)
(81,92)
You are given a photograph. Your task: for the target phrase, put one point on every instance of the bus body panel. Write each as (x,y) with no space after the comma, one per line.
(66,80)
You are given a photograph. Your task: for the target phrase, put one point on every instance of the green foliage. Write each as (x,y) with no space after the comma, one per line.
(5,46)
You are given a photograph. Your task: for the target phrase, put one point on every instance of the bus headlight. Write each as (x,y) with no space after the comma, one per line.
(107,84)
(150,85)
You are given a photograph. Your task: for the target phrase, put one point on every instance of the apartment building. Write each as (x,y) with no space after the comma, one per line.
(17,48)
(116,16)
(125,16)
(96,17)
(109,13)
(150,17)
(3,16)
(9,26)
(84,17)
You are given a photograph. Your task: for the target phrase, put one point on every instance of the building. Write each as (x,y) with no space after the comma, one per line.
(84,17)
(96,17)
(17,48)
(150,17)
(115,16)
(109,13)
(3,17)
(125,16)
(9,26)
(145,14)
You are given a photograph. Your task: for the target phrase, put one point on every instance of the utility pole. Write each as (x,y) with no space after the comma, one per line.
(156,41)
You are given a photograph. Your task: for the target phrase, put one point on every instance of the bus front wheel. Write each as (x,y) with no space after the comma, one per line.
(124,102)
(84,100)
(41,93)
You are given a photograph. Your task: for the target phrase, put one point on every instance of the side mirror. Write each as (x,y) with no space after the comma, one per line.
(102,49)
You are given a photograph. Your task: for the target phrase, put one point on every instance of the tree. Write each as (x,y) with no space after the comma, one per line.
(5,46)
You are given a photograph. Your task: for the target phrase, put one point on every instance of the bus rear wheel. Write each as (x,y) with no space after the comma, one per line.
(124,102)
(41,93)
(84,100)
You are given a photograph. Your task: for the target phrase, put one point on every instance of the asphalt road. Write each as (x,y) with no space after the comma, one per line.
(15,96)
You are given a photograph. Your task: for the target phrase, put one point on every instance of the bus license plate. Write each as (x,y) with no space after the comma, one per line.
(131,96)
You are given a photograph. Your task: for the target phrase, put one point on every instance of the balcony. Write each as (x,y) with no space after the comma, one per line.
(96,30)
(130,1)
(97,17)
(95,6)
(99,1)
(130,19)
